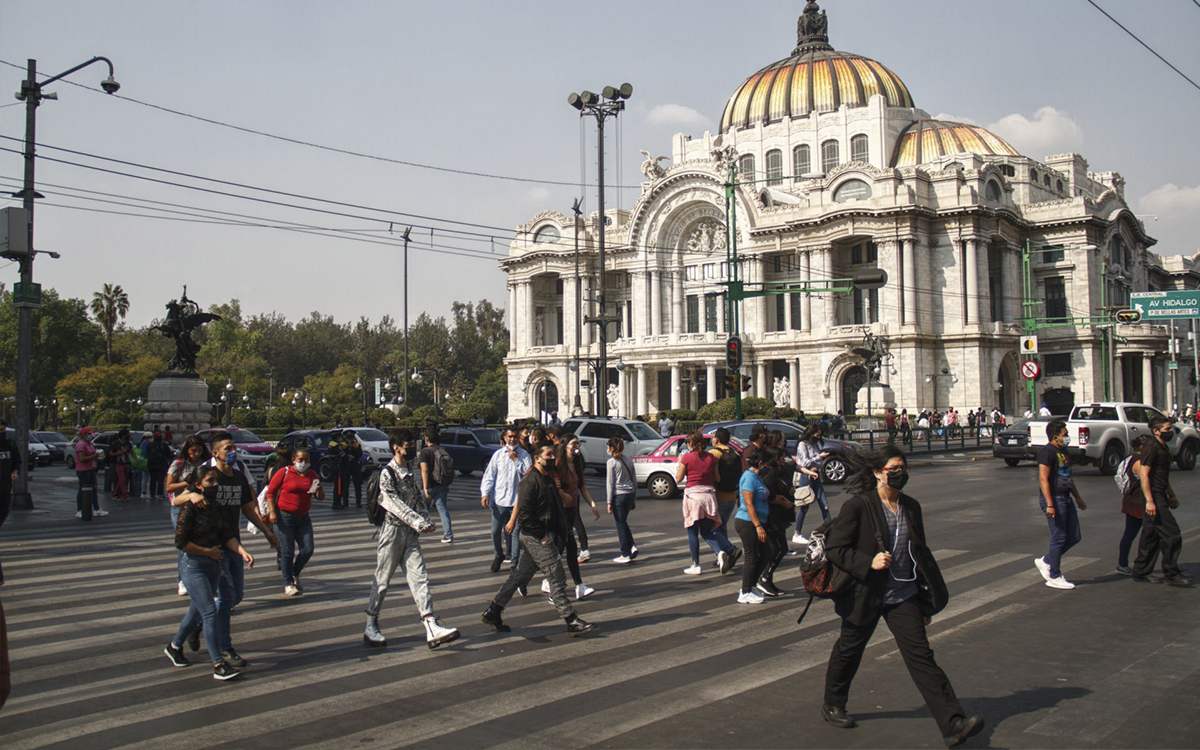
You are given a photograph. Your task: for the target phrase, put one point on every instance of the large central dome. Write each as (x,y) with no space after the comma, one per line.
(816,78)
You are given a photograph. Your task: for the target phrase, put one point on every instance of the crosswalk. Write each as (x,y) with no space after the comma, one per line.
(89,612)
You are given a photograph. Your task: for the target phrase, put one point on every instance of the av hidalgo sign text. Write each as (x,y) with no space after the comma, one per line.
(1166,305)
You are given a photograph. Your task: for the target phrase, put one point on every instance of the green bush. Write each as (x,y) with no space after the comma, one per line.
(682,415)
(786,412)
(473,410)
(382,417)
(423,414)
(716,411)
(282,416)
(723,410)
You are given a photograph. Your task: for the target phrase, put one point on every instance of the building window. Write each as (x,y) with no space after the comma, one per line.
(864,253)
(780,312)
(1033,175)
(859,149)
(711,301)
(1054,254)
(795,302)
(547,234)
(801,160)
(1060,186)
(774,167)
(693,314)
(629,318)
(993,191)
(746,167)
(1056,298)
(1008,170)
(1118,252)
(710,270)
(829,156)
(1059,364)
(1046,180)
(866,306)
(691,273)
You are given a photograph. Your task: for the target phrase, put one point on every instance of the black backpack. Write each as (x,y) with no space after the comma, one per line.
(376,513)
(729,464)
(443,466)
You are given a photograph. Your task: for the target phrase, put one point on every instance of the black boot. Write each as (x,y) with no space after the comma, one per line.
(492,617)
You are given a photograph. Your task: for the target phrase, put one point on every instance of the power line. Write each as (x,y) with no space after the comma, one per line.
(1147,46)
(322,147)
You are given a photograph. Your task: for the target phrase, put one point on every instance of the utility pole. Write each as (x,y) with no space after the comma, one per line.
(407,233)
(577,209)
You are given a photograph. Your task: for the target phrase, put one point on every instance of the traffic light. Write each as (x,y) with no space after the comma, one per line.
(733,353)
(745,383)
(731,383)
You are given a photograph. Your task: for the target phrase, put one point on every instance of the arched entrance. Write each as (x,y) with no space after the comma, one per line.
(546,399)
(853,381)
(1005,391)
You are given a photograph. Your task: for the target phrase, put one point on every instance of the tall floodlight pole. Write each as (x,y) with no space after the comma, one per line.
(27,295)
(577,209)
(407,233)
(613,104)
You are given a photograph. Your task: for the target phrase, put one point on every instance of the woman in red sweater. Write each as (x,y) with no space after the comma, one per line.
(289,498)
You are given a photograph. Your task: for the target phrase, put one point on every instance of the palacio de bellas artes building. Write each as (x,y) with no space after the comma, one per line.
(852,175)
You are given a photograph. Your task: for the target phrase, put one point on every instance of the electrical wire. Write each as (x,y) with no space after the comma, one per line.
(1147,46)
(319,146)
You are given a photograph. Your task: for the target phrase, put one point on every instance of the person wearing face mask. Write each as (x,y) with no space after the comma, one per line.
(1056,490)
(879,538)
(192,457)
(1160,531)
(206,537)
(543,534)
(499,491)
(289,498)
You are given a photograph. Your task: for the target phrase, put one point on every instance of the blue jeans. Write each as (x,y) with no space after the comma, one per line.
(1064,531)
(179,553)
(233,567)
(621,507)
(136,483)
(502,543)
(87,479)
(725,511)
(438,495)
(704,528)
(205,579)
(293,528)
(819,493)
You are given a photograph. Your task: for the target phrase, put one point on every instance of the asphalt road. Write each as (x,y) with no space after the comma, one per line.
(674,663)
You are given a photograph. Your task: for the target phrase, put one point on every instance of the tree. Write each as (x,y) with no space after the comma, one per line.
(109,305)
(64,340)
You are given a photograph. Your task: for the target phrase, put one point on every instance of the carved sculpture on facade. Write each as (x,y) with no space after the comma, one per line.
(707,238)
(183,317)
(812,28)
(781,393)
(539,330)
(651,167)
(614,399)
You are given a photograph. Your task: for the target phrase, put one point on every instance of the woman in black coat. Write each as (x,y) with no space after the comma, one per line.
(879,539)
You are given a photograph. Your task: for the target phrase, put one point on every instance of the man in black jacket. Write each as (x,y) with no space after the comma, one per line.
(543,535)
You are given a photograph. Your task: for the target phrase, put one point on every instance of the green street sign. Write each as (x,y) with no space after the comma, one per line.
(1166,305)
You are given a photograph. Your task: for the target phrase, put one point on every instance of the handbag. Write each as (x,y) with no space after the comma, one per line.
(804,495)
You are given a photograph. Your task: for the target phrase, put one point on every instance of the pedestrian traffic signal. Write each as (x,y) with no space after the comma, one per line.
(733,353)
(745,383)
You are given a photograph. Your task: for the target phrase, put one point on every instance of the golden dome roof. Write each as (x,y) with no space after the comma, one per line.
(816,78)
(928,140)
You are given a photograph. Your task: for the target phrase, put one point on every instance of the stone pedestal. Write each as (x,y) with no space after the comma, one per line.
(882,399)
(179,401)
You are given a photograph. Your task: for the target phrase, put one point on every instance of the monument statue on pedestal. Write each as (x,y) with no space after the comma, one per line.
(183,317)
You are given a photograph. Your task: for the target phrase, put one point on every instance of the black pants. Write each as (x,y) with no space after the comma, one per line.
(346,476)
(158,481)
(758,554)
(572,550)
(908,628)
(580,531)
(1159,534)
(778,541)
(1132,527)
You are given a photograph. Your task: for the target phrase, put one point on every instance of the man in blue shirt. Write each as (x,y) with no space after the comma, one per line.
(499,489)
(1056,490)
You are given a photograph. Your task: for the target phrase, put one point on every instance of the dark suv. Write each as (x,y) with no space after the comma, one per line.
(834,468)
(470,447)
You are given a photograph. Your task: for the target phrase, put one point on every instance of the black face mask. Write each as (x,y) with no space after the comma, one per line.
(897,479)
(550,464)
(1166,435)
(210,493)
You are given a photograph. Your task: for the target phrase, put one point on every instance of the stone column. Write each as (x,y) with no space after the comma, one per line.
(722,326)
(761,303)
(787,312)
(711,382)
(1147,379)
(655,303)
(794,382)
(513,328)
(637,280)
(890,295)
(677,316)
(828,314)
(909,250)
(676,388)
(1118,384)
(971,273)
(643,374)
(983,256)
(806,299)
(761,388)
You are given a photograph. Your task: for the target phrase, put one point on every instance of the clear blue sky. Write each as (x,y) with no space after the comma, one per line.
(482,86)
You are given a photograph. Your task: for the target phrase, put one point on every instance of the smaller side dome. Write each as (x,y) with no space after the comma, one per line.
(926,141)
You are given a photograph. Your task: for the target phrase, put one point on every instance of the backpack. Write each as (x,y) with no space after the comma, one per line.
(443,466)
(376,513)
(729,464)
(1124,476)
(822,579)
(137,459)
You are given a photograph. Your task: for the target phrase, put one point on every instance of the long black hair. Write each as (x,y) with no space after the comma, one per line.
(864,464)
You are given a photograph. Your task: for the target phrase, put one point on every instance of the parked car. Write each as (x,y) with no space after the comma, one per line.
(595,432)
(1103,433)
(470,447)
(252,450)
(1012,443)
(56,442)
(656,471)
(70,454)
(38,454)
(375,447)
(834,469)
(323,452)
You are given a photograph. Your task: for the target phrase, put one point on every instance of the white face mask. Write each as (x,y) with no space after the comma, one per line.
(1066,439)
(301,466)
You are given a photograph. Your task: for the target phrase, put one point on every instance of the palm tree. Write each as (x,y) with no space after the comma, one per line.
(109,304)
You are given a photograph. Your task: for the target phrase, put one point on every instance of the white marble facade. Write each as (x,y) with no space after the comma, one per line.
(944,208)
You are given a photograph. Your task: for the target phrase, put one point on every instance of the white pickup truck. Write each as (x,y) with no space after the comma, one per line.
(1103,434)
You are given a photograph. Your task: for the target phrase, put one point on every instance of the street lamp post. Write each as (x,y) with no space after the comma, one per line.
(577,209)
(417,376)
(589,103)
(595,365)
(28,297)
(301,395)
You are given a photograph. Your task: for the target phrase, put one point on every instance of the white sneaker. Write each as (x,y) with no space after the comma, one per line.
(1060,583)
(799,539)
(622,560)
(79,514)
(290,590)
(545,586)
(1043,567)
(100,513)
(436,633)
(584,555)
(750,597)
(583,590)
(695,570)
(182,590)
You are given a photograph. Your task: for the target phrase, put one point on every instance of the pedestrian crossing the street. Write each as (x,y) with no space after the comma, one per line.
(90,610)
